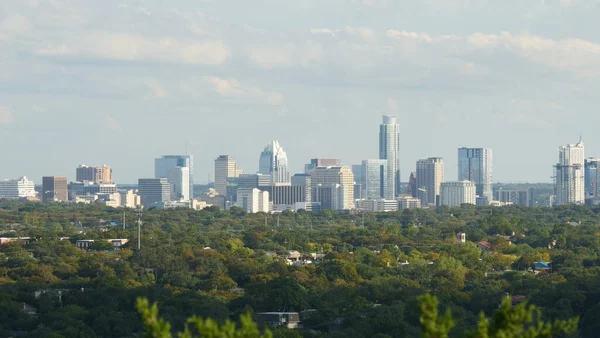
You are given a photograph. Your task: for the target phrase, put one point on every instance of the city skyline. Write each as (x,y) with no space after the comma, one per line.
(318,81)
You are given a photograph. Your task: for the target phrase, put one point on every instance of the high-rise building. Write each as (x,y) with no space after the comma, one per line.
(359,181)
(54,188)
(475,165)
(430,175)
(515,197)
(304,181)
(374,178)
(273,161)
(339,180)
(592,178)
(453,194)
(321,162)
(102,174)
(253,200)
(154,191)
(412,184)
(179,178)
(569,174)
(389,146)
(15,189)
(225,167)
(164,164)
(288,194)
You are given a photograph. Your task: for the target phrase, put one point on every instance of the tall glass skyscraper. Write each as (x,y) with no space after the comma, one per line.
(592,177)
(569,174)
(389,145)
(475,165)
(375,178)
(273,161)
(166,167)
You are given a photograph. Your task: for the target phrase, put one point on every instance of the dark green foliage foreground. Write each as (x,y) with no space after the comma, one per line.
(221,265)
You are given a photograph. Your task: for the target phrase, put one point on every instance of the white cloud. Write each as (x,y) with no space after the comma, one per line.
(133,47)
(13,26)
(158,92)
(38,109)
(233,88)
(112,123)
(6,116)
(270,57)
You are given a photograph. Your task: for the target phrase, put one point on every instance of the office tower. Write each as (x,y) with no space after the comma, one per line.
(304,181)
(412,184)
(179,178)
(163,166)
(93,174)
(154,191)
(359,181)
(475,165)
(592,178)
(253,200)
(375,178)
(288,194)
(225,167)
(430,174)
(377,205)
(515,197)
(251,181)
(339,180)
(15,189)
(54,188)
(569,174)
(389,145)
(273,161)
(453,194)
(321,162)
(130,199)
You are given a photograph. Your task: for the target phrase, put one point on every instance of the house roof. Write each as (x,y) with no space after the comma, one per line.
(485,244)
(541,265)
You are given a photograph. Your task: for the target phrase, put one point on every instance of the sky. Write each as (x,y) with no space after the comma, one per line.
(123,82)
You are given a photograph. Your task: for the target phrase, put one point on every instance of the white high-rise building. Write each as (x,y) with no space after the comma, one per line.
(273,161)
(333,187)
(569,174)
(14,189)
(389,145)
(430,175)
(163,169)
(253,200)
(179,178)
(225,167)
(453,194)
(475,165)
(374,178)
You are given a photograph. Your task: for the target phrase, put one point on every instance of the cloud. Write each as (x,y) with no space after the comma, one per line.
(38,109)
(134,47)
(532,113)
(154,85)
(6,116)
(13,26)
(234,89)
(112,123)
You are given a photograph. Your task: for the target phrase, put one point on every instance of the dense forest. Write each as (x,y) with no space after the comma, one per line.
(345,274)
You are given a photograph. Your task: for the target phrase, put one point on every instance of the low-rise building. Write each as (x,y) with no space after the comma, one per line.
(15,189)
(408,202)
(376,205)
(287,320)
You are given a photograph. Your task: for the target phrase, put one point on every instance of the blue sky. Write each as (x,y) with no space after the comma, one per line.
(122,82)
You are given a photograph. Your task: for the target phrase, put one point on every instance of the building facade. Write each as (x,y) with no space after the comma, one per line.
(408,202)
(592,178)
(376,205)
(475,165)
(374,180)
(429,177)
(303,180)
(412,184)
(225,168)
(54,188)
(389,147)
(253,200)
(15,189)
(569,174)
(453,194)
(179,179)
(515,197)
(327,178)
(163,168)
(288,194)
(93,174)
(154,191)
(274,161)
(321,162)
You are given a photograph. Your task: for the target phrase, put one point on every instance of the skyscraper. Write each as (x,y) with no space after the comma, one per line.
(163,169)
(412,184)
(93,174)
(430,174)
(389,145)
(569,174)
(333,186)
(273,161)
(225,167)
(54,188)
(375,178)
(592,178)
(179,178)
(475,165)
(154,191)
